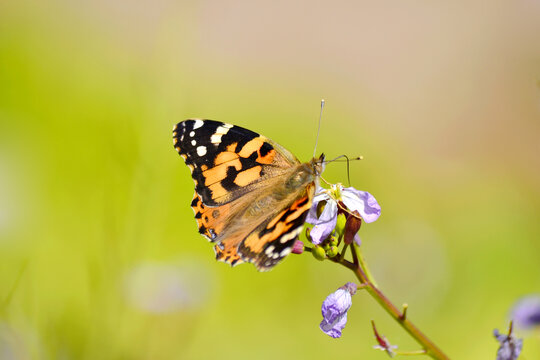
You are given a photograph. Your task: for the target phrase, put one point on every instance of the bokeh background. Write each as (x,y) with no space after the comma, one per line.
(99,254)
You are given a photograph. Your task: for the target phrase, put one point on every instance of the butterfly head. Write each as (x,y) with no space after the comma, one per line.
(318,165)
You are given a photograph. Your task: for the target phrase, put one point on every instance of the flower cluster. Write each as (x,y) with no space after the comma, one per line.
(339,211)
(337,214)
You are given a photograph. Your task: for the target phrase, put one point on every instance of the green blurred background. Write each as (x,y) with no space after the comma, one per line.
(99,254)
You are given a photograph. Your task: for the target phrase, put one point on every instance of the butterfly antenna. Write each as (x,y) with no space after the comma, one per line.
(348,167)
(318,129)
(348,171)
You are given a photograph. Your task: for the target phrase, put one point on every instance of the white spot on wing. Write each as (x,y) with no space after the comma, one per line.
(290,235)
(201,150)
(269,250)
(198,124)
(285,252)
(193,142)
(192,134)
(220,131)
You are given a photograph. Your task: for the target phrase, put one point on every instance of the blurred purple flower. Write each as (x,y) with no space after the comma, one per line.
(526,312)
(354,200)
(167,287)
(334,310)
(510,347)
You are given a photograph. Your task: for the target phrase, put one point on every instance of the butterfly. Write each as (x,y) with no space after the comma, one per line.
(251,195)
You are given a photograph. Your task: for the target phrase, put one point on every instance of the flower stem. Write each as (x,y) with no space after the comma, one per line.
(410,353)
(430,348)
(364,266)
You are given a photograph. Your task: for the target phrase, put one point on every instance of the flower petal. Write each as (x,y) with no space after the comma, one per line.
(312,214)
(334,329)
(325,224)
(329,213)
(363,202)
(320,194)
(336,303)
(321,232)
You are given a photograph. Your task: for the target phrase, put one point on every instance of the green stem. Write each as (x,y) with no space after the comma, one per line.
(416,352)
(364,266)
(342,254)
(430,348)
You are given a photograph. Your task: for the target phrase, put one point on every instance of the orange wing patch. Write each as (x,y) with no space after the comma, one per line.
(208,218)
(252,146)
(248,176)
(219,172)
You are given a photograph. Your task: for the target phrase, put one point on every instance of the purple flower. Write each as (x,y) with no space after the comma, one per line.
(526,312)
(510,347)
(334,310)
(363,202)
(354,200)
(326,222)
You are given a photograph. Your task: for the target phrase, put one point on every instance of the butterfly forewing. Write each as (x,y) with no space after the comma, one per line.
(227,161)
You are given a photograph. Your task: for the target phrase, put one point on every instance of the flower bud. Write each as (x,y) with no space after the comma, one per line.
(352,226)
(319,253)
(332,251)
(298,247)
(340,225)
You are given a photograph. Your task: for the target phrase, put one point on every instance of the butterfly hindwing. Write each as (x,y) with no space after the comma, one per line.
(274,239)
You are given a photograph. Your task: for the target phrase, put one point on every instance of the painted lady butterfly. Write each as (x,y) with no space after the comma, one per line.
(251,195)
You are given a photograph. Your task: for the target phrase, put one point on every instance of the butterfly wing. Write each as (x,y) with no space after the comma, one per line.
(274,238)
(236,172)
(228,161)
